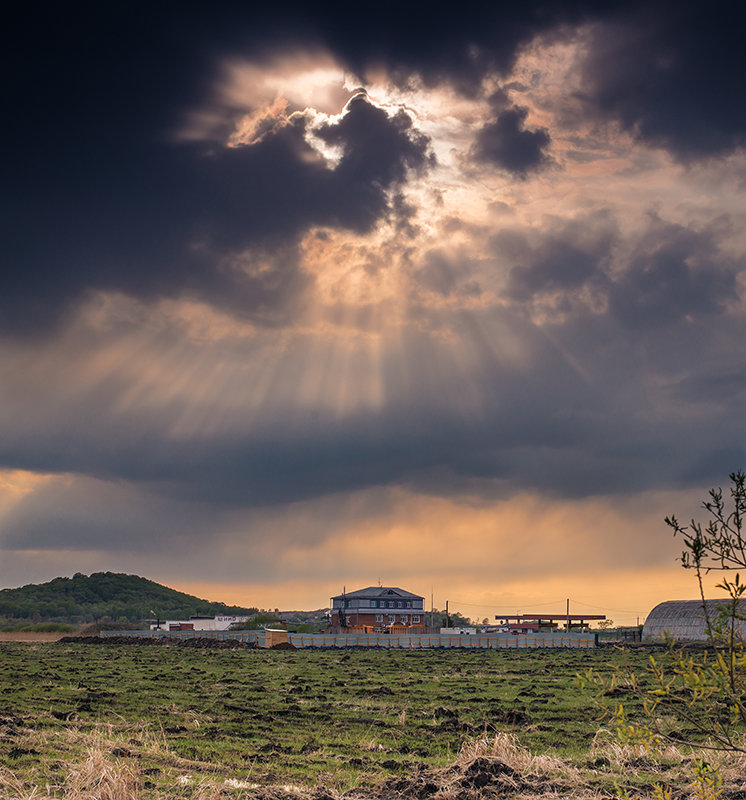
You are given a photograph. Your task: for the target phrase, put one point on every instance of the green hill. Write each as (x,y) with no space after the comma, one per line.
(103,596)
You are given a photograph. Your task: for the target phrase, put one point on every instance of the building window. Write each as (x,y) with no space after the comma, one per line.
(404,619)
(416,618)
(374,604)
(409,604)
(398,604)
(392,619)
(379,617)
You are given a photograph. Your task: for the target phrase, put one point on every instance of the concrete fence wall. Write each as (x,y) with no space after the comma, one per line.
(389,641)
(404,642)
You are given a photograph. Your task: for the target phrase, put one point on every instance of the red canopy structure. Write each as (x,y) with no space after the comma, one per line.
(536,622)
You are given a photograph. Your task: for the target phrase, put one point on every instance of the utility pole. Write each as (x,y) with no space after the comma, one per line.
(448,619)
(567,625)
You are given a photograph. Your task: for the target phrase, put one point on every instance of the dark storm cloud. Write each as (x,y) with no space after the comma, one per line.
(267,192)
(507,143)
(174,223)
(440,43)
(96,196)
(669,72)
(376,149)
(672,74)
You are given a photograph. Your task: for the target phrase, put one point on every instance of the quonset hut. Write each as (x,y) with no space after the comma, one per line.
(684,620)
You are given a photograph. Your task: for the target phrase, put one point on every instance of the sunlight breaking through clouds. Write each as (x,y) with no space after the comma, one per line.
(306,267)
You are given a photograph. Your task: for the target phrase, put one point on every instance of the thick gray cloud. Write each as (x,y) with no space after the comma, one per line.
(667,274)
(86,514)
(671,74)
(507,143)
(674,274)
(561,260)
(207,217)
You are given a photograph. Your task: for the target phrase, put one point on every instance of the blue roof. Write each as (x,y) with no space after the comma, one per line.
(379,591)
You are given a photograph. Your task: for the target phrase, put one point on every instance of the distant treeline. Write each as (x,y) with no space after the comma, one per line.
(39,627)
(103,596)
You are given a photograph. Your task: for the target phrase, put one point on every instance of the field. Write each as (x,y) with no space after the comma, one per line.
(186,722)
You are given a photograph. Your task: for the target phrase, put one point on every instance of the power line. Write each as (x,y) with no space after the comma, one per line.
(607,608)
(536,605)
(573,601)
(493,605)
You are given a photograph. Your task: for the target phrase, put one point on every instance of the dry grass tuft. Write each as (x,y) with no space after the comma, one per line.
(13,789)
(622,756)
(100,778)
(504,747)
(106,766)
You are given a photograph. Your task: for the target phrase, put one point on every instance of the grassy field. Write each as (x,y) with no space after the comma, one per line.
(183,722)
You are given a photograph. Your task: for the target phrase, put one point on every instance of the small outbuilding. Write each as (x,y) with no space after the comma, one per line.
(685,620)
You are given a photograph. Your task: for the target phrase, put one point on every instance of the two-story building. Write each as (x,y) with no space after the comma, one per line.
(378,607)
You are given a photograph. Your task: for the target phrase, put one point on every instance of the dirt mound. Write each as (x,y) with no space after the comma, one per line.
(482,777)
(511,716)
(208,643)
(143,640)
(195,642)
(484,771)
(283,646)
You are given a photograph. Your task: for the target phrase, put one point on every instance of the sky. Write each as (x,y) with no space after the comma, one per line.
(449,298)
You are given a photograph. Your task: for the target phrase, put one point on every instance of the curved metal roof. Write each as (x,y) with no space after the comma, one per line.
(684,620)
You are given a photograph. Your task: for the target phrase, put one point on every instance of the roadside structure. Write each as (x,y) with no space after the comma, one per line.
(197,623)
(534,623)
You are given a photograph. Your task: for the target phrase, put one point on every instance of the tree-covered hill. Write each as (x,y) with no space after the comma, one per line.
(103,596)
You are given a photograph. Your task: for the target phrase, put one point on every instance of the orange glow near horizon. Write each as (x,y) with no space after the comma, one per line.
(523,554)
(623,597)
